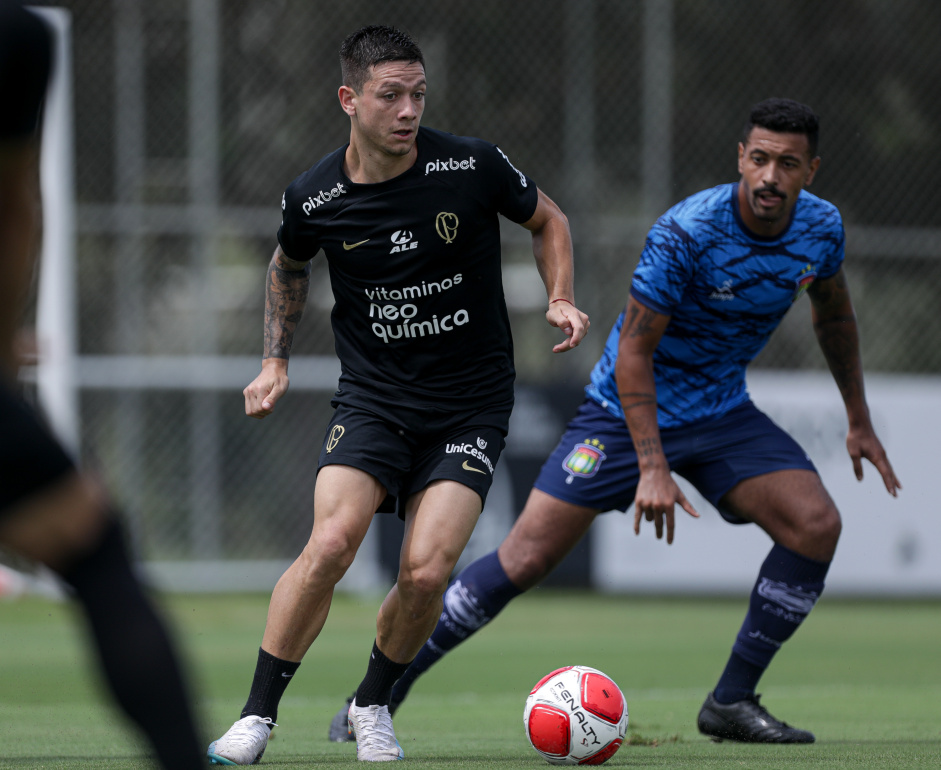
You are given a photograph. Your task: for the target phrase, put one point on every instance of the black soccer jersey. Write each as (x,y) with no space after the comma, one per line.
(419,312)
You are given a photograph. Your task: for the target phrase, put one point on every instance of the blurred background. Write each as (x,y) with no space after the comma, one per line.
(190,117)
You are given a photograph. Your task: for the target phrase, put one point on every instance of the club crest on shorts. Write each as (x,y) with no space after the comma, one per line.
(335,435)
(584,460)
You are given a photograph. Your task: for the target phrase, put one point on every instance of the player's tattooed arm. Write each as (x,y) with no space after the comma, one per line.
(657,492)
(838,336)
(288,285)
(648,447)
(638,320)
(633,400)
(641,331)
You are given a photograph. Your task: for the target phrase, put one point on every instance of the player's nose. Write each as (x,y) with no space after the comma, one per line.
(770,173)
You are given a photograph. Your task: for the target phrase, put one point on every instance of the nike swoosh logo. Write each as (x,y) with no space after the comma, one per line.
(467,467)
(348,246)
(286,675)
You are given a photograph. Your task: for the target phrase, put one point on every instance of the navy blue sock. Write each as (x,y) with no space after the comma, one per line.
(787,588)
(475,598)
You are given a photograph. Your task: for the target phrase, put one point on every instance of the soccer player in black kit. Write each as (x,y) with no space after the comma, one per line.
(407,218)
(49,511)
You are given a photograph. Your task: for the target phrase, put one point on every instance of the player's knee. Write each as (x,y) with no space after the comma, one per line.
(526,566)
(820,531)
(829,525)
(59,524)
(422,583)
(329,555)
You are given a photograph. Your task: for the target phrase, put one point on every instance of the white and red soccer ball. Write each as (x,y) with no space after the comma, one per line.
(576,716)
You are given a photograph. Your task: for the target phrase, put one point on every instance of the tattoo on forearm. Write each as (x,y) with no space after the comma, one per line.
(647,447)
(638,321)
(632,400)
(284,305)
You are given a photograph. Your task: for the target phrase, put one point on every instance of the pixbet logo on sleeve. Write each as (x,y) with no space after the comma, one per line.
(322,197)
(450,165)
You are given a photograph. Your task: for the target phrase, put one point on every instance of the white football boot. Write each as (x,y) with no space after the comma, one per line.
(243,744)
(372,729)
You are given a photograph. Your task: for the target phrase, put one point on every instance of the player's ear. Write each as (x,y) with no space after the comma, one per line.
(347,98)
(814,165)
(741,158)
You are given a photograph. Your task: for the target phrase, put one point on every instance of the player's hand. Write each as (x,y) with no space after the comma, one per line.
(863,442)
(264,391)
(657,495)
(573,322)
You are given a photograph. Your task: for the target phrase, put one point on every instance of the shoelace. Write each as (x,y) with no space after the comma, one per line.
(382,735)
(245,735)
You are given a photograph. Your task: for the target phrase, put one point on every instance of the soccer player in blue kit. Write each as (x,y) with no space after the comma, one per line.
(407,218)
(717,274)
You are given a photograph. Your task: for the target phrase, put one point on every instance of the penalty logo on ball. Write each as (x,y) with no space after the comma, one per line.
(576,716)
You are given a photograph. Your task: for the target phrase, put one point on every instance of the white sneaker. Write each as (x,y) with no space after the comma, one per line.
(243,744)
(375,738)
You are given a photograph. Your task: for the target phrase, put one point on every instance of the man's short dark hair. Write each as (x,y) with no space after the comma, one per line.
(373,45)
(785,116)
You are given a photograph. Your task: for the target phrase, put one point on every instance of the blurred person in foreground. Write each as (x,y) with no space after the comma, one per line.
(49,511)
(407,218)
(718,272)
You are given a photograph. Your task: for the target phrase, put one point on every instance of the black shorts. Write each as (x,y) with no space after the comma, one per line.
(406,448)
(30,458)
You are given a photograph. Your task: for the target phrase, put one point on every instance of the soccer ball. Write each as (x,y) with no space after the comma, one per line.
(575,716)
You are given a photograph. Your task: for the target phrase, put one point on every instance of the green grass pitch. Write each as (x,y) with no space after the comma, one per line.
(864,676)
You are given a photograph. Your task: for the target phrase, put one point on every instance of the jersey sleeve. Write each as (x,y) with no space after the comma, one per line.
(515,194)
(665,268)
(834,259)
(25,62)
(296,236)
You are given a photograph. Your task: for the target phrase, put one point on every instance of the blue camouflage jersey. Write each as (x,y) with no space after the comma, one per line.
(726,290)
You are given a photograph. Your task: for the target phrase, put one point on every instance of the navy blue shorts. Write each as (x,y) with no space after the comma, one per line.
(407,448)
(594,464)
(30,458)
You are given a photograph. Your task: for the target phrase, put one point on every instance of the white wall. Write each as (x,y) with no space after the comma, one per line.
(889,546)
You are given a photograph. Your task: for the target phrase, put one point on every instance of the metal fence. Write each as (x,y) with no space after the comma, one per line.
(191,116)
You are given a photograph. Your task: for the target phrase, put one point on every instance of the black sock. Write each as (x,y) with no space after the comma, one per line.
(272,676)
(135,651)
(381,674)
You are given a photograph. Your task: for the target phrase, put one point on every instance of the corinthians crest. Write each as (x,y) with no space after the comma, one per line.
(335,435)
(446,226)
(584,460)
